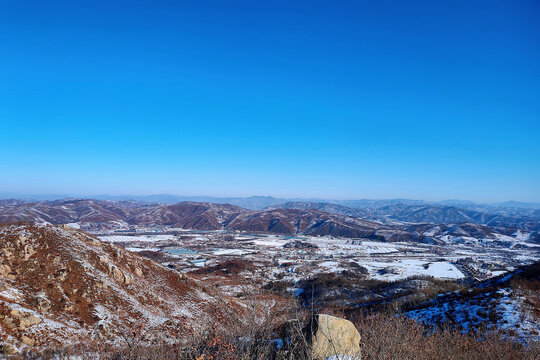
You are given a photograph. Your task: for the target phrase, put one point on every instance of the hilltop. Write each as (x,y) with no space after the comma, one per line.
(60,286)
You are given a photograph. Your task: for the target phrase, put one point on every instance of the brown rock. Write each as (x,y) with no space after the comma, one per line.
(119,275)
(8,349)
(5,270)
(116,273)
(9,322)
(43,303)
(28,252)
(128,279)
(28,341)
(27,321)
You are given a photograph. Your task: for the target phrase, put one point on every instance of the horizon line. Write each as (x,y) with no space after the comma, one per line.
(52,197)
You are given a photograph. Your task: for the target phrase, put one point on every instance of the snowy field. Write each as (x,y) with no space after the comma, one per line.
(238,252)
(387,261)
(270,241)
(391,271)
(141,238)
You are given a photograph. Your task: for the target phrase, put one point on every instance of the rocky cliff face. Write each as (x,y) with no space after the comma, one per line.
(59,285)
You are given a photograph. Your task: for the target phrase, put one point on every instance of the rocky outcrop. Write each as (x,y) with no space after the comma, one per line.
(334,336)
(59,285)
(117,274)
(17,320)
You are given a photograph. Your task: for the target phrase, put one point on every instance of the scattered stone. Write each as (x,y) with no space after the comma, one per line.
(28,252)
(62,284)
(28,320)
(28,341)
(8,349)
(5,270)
(9,322)
(43,303)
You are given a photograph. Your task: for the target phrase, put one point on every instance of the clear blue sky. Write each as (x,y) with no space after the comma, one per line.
(333,99)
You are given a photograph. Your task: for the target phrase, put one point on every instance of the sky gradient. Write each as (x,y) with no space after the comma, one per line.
(331,99)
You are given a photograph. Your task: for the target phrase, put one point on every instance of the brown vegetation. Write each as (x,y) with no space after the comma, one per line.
(230,267)
(384,337)
(389,337)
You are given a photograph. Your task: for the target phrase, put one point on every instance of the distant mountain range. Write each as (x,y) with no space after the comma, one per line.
(261,202)
(393,222)
(106,214)
(526,219)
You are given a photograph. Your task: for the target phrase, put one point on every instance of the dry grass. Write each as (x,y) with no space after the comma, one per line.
(384,337)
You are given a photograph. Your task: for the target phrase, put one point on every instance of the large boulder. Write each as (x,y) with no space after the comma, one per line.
(333,336)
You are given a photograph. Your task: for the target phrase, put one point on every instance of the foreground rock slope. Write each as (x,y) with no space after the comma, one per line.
(60,286)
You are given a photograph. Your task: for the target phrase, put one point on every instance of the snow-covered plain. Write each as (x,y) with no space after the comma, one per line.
(142,238)
(405,268)
(387,261)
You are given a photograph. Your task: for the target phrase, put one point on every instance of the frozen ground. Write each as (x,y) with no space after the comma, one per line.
(404,268)
(478,310)
(135,238)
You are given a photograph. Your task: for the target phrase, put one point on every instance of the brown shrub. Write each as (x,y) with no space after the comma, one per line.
(384,337)
(230,267)
(389,337)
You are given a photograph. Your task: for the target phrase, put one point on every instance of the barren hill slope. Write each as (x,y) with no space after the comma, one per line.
(188,215)
(59,285)
(308,222)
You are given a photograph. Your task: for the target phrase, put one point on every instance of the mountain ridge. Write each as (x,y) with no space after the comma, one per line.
(258,202)
(423,213)
(388,223)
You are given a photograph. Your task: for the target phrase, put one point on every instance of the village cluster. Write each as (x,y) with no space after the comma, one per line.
(277,257)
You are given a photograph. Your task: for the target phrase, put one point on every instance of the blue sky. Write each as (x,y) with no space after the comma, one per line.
(330,99)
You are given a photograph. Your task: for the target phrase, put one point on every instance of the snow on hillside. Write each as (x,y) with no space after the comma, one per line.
(508,303)
(58,284)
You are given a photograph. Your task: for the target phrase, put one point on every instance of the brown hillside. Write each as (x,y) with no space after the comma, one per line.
(59,285)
